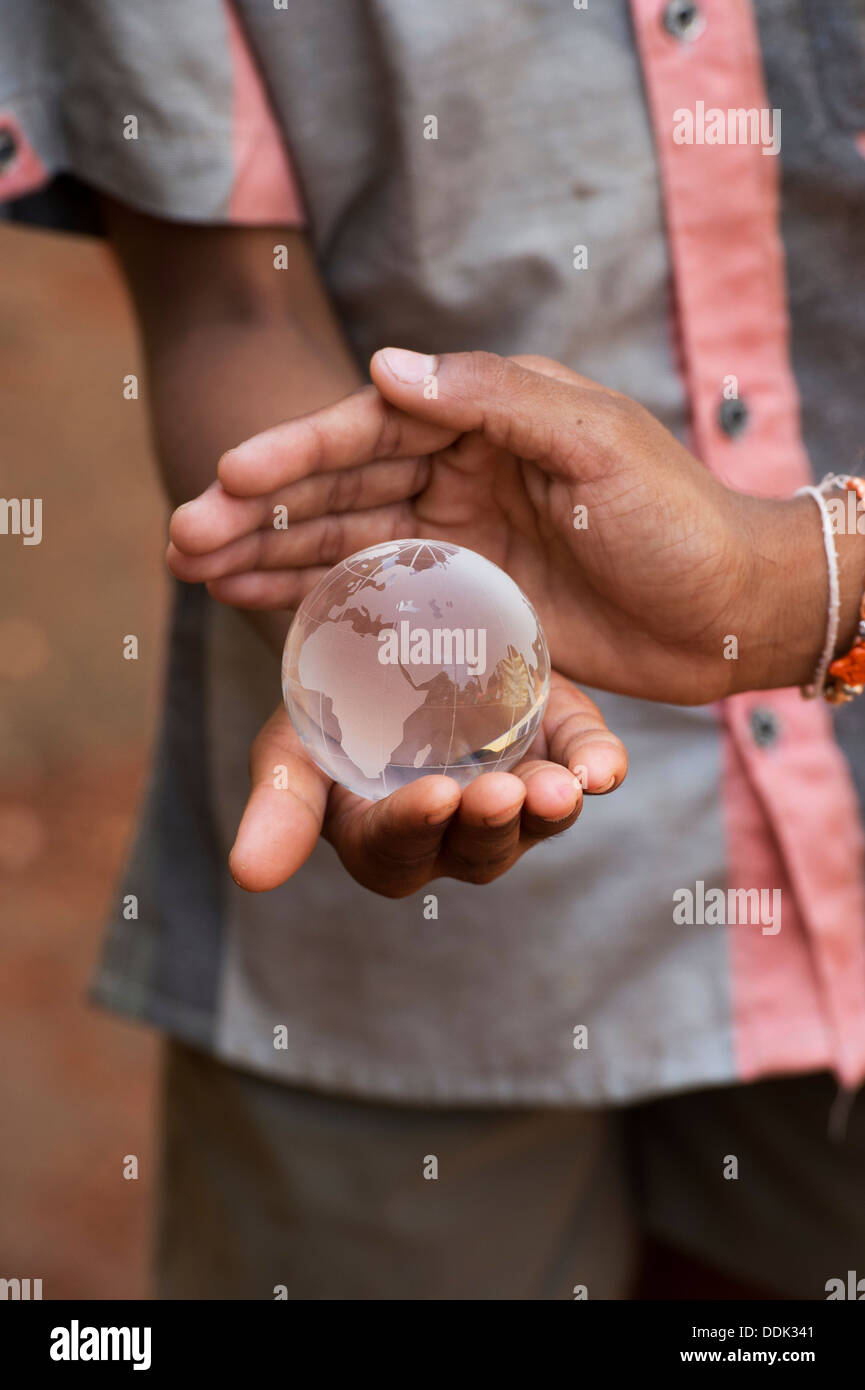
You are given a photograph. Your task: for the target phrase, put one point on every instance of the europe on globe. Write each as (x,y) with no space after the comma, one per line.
(415,657)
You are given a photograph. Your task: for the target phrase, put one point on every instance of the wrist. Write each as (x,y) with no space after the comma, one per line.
(784,612)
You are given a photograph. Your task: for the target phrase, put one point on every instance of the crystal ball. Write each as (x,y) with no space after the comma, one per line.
(415,657)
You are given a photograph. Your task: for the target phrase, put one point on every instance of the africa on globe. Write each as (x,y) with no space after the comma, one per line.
(415,657)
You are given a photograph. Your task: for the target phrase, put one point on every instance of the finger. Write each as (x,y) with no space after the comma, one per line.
(213,518)
(216,519)
(237,557)
(321,540)
(391,846)
(483,838)
(266,589)
(535,415)
(554,798)
(284,812)
(578,738)
(355,431)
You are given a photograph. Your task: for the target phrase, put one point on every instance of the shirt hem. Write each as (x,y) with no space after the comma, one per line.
(195,1027)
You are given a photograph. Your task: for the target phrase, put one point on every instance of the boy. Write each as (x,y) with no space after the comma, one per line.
(506,178)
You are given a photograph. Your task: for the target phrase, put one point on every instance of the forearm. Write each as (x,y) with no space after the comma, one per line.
(231,345)
(218,384)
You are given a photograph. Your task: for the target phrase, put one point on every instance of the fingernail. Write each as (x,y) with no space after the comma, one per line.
(566,815)
(503,817)
(580,783)
(581,775)
(439,817)
(410,367)
(607,787)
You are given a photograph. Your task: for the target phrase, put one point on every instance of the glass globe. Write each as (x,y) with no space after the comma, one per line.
(415,657)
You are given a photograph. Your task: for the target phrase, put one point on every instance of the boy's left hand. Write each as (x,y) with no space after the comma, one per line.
(429,829)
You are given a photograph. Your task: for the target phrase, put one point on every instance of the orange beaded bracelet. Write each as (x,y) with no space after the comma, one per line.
(845,678)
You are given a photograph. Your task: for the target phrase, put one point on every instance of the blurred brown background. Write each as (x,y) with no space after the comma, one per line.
(77,1086)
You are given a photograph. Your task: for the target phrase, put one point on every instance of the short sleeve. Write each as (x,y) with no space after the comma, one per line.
(160,105)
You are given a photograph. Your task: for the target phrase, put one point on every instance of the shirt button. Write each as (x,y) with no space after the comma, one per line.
(8,148)
(765,727)
(733,418)
(684,20)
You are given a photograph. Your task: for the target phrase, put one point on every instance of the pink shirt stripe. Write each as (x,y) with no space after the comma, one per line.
(24,172)
(264,189)
(791,812)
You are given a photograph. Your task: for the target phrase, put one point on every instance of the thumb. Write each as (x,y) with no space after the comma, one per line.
(284,814)
(545,415)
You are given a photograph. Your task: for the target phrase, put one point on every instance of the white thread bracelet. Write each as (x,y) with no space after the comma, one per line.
(833,616)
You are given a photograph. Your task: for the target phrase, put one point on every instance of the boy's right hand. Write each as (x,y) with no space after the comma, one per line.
(640,563)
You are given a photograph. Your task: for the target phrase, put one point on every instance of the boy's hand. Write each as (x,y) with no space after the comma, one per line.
(640,563)
(428,829)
